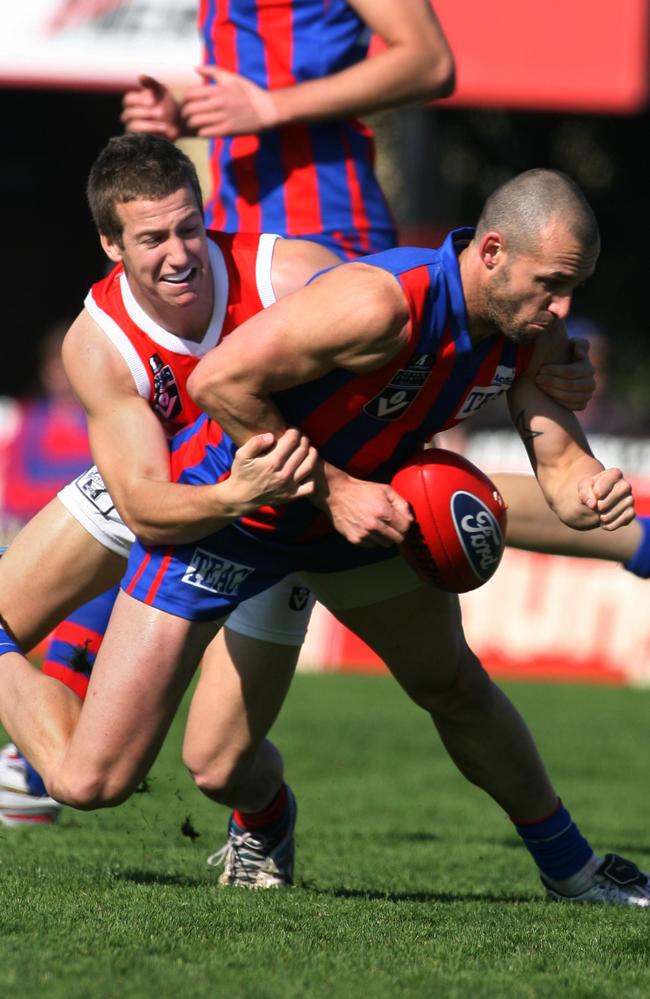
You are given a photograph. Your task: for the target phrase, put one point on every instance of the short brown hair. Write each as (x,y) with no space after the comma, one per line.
(522,207)
(136,166)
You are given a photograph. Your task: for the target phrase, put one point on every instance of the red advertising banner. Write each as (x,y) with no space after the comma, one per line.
(581,55)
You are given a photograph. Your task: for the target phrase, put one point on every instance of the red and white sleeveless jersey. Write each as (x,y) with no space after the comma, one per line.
(161,362)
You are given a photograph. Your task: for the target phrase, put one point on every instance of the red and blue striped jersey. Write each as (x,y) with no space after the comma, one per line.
(161,362)
(301,179)
(369,424)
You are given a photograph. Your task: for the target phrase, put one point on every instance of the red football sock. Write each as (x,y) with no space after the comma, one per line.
(257,820)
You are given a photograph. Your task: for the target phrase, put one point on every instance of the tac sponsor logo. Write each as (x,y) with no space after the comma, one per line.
(404,388)
(166,396)
(478,533)
(93,488)
(479,395)
(208,571)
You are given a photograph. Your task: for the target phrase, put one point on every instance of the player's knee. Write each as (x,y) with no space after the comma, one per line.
(213,772)
(90,790)
(466,688)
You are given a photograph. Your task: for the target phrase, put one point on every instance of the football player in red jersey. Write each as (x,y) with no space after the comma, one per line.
(173,293)
(491,302)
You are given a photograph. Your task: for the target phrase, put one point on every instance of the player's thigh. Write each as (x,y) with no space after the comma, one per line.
(141,672)
(51,567)
(415,628)
(242,685)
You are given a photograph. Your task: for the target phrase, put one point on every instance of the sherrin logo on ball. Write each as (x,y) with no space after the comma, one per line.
(458,535)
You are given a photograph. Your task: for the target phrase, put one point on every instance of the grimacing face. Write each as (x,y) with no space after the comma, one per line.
(164,251)
(529,291)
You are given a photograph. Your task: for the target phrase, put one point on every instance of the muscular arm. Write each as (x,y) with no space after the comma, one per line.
(575,484)
(354,317)
(132,454)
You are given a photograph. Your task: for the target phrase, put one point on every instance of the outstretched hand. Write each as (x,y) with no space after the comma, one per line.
(225,103)
(150,107)
(609,496)
(571,384)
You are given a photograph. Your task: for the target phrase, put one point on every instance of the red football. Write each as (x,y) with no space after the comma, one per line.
(456,541)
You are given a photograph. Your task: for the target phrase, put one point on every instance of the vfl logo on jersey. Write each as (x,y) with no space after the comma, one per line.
(299,598)
(166,397)
(479,395)
(208,571)
(478,533)
(92,486)
(403,390)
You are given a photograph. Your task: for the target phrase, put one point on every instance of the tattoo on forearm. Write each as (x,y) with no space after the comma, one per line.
(526,433)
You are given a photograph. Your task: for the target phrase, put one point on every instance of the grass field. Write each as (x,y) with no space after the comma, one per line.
(409,881)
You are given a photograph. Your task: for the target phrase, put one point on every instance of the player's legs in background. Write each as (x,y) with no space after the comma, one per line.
(534,527)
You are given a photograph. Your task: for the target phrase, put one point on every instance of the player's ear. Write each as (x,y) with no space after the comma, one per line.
(490,249)
(110,248)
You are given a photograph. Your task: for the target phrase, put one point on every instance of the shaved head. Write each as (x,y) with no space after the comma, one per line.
(522,208)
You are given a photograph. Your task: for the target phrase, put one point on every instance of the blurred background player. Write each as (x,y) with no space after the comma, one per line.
(280,91)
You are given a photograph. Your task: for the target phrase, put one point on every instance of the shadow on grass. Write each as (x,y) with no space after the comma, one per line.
(416,896)
(156,878)
(410,837)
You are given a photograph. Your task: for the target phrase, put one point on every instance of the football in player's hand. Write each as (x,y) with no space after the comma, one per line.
(457,538)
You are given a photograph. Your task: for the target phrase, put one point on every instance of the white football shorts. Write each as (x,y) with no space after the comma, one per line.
(279,615)
(368,584)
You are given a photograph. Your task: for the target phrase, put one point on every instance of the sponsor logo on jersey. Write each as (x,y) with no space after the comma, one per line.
(402,391)
(92,486)
(299,598)
(478,533)
(479,395)
(210,572)
(166,396)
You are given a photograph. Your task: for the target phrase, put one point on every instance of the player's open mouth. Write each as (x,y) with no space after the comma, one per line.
(181,278)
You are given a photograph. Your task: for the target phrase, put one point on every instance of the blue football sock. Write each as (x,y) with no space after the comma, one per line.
(639,564)
(34,780)
(557,846)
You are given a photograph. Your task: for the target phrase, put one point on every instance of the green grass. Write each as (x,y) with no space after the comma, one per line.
(410,882)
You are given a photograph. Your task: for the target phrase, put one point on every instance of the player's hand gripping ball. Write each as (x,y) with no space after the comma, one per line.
(456,540)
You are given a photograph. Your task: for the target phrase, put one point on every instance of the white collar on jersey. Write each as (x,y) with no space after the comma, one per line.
(169,340)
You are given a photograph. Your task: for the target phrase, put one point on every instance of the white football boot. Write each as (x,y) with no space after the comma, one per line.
(19,804)
(610,881)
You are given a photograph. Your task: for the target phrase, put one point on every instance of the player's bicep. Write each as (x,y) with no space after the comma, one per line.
(354,317)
